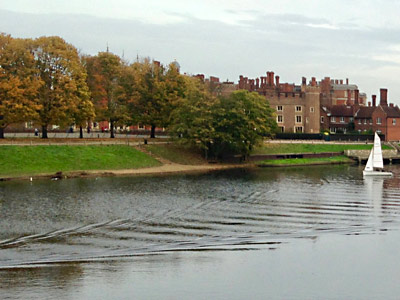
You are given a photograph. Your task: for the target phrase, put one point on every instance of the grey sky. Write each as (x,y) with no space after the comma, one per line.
(355,39)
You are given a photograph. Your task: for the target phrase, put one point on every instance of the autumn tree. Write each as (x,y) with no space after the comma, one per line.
(105,75)
(19,83)
(64,80)
(84,111)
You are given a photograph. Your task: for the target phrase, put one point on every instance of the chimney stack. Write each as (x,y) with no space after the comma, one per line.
(391,105)
(373,100)
(348,98)
(257,83)
(383,97)
(313,81)
(277,81)
(303,81)
(369,103)
(341,81)
(347,81)
(356,94)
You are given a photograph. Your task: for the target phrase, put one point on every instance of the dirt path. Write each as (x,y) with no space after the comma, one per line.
(170,168)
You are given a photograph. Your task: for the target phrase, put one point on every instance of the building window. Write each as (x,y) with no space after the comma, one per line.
(279,108)
(351,119)
(279,119)
(281,129)
(365,121)
(322,119)
(140,126)
(307,120)
(298,119)
(332,129)
(299,129)
(298,108)
(378,121)
(341,119)
(359,121)
(333,119)
(370,121)
(393,121)
(311,109)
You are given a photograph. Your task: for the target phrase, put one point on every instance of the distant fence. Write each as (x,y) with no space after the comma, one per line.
(299,136)
(331,137)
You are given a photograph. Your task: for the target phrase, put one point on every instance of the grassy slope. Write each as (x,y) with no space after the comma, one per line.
(29,160)
(309,148)
(177,154)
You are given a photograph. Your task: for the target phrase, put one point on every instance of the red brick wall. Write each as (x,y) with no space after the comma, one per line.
(393,130)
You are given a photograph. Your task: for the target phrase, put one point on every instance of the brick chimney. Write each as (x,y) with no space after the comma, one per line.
(348,98)
(383,97)
(341,81)
(356,94)
(271,79)
(241,82)
(277,81)
(303,81)
(347,81)
(313,81)
(257,83)
(373,100)
(369,103)
(391,105)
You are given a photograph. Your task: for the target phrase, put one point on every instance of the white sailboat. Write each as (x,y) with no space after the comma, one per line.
(374,164)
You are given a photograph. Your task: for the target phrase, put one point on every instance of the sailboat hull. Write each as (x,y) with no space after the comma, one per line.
(377,173)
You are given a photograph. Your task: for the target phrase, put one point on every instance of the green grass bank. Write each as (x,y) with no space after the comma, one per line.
(282,148)
(31,160)
(304,161)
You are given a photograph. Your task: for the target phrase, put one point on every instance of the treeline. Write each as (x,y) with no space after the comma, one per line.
(46,81)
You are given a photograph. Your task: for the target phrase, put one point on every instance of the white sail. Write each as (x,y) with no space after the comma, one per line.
(377,161)
(374,165)
(369,166)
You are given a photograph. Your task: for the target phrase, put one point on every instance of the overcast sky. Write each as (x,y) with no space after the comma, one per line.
(355,39)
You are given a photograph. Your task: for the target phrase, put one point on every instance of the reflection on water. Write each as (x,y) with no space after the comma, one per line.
(85,220)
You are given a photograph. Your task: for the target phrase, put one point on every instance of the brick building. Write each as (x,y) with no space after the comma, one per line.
(383,118)
(297,106)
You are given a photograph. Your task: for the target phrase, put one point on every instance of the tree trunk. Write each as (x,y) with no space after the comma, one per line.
(112,129)
(153,131)
(44,132)
(1,133)
(80,132)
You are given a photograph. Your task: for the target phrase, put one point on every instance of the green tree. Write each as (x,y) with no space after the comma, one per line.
(19,83)
(192,122)
(223,126)
(243,120)
(64,80)
(105,72)
(158,92)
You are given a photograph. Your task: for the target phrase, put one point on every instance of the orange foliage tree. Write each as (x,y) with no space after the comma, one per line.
(19,83)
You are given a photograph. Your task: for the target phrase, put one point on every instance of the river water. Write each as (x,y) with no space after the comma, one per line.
(319,232)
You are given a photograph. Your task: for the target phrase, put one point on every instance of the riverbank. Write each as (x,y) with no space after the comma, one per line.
(294,162)
(159,170)
(68,161)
